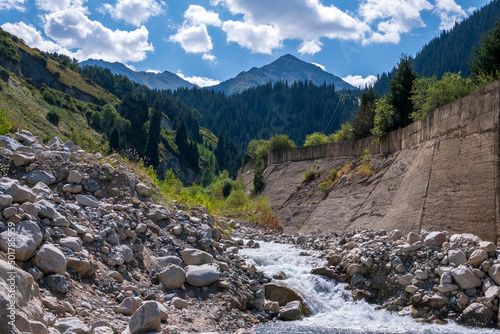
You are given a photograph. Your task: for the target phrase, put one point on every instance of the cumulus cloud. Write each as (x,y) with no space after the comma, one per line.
(199,81)
(193,39)
(135,12)
(207,56)
(153,71)
(359,81)
(266,24)
(197,15)
(33,38)
(320,66)
(72,29)
(54,5)
(193,34)
(392,19)
(449,12)
(13,4)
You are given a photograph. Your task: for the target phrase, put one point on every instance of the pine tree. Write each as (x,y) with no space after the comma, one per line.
(181,139)
(400,88)
(114,141)
(486,59)
(363,121)
(152,151)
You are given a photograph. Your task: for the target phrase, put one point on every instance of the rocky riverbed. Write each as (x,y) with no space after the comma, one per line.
(434,276)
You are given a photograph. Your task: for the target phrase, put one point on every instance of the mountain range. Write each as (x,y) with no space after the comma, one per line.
(286,68)
(161,81)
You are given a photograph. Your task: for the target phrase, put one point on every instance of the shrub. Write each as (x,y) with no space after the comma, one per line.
(227,186)
(315,138)
(309,175)
(325,185)
(333,174)
(385,116)
(53,117)
(5,125)
(49,97)
(280,142)
(365,170)
(4,74)
(258,176)
(342,134)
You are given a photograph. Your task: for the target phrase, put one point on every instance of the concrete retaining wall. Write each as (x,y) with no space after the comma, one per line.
(438,173)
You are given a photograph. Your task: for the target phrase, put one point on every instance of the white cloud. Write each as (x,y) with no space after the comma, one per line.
(53,5)
(392,19)
(207,56)
(449,12)
(72,29)
(193,35)
(267,23)
(33,37)
(197,15)
(359,81)
(193,39)
(13,4)
(199,81)
(310,47)
(153,71)
(258,38)
(130,67)
(135,12)
(320,66)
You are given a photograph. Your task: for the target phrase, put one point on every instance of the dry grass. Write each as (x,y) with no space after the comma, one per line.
(365,170)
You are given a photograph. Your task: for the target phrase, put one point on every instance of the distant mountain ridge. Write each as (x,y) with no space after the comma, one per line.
(161,81)
(286,68)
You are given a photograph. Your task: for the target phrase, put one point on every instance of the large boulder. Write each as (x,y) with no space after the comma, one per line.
(46,209)
(82,266)
(494,273)
(27,237)
(21,194)
(478,257)
(203,275)
(477,314)
(291,311)
(196,257)
(158,212)
(39,176)
(172,277)
(284,295)
(87,200)
(71,325)
(146,319)
(126,253)
(465,278)
(129,305)
(73,243)
(22,158)
(435,239)
(8,142)
(27,293)
(456,257)
(144,190)
(50,259)
(164,261)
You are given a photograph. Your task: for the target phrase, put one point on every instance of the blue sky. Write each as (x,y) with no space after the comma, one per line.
(207,41)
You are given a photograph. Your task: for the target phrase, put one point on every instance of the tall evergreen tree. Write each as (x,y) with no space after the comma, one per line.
(152,151)
(486,59)
(181,139)
(114,141)
(363,121)
(400,88)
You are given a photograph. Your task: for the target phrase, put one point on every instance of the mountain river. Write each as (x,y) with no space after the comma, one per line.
(332,305)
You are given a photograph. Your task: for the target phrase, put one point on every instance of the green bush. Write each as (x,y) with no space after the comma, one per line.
(4,74)
(343,134)
(325,186)
(309,175)
(430,93)
(315,138)
(49,97)
(385,116)
(5,125)
(333,174)
(227,186)
(258,176)
(280,142)
(53,117)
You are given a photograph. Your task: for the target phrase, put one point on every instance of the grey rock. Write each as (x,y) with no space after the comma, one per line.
(50,259)
(172,277)
(192,256)
(456,257)
(39,176)
(91,186)
(22,158)
(477,314)
(158,212)
(5,200)
(144,190)
(435,239)
(126,253)
(41,189)
(395,235)
(129,305)
(87,200)
(465,278)
(74,177)
(73,243)
(46,209)
(21,194)
(56,283)
(477,257)
(8,142)
(72,188)
(179,303)
(291,311)
(74,325)
(202,275)
(494,273)
(28,236)
(146,319)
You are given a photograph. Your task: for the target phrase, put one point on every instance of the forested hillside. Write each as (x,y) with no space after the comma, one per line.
(452,51)
(262,111)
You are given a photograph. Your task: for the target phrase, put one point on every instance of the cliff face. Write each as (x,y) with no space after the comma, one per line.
(440,173)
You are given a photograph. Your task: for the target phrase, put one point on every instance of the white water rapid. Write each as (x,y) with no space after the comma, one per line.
(332,306)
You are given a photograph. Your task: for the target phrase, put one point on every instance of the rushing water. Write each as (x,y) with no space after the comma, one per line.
(332,306)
